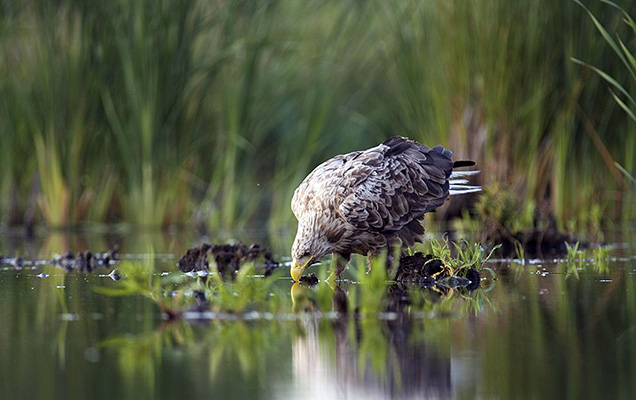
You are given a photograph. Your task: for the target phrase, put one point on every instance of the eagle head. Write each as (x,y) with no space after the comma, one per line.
(310,245)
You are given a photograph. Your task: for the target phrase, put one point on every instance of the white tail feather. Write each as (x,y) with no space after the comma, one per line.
(462,174)
(464,190)
(458,185)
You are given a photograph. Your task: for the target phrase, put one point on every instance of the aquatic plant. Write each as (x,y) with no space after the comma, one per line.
(601,259)
(519,252)
(370,295)
(140,278)
(468,255)
(176,293)
(243,293)
(573,251)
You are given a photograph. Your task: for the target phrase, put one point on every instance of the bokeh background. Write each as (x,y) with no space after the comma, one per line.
(174,112)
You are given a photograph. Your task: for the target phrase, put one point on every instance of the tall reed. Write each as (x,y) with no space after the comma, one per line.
(167,112)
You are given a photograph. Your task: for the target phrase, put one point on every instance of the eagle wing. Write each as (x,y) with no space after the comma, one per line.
(393,185)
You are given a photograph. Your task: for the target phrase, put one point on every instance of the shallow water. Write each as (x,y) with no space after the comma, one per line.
(546,329)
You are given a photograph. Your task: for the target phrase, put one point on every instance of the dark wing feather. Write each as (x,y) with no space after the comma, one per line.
(396,184)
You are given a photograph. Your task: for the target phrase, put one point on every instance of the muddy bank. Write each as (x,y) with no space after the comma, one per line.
(228,258)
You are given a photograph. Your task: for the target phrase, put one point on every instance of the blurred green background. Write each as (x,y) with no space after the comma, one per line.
(171,112)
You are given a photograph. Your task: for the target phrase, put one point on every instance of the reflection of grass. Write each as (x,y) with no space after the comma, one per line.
(227,347)
(173,293)
(240,342)
(374,348)
(235,342)
(601,258)
(139,278)
(577,336)
(596,258)
(138,358)
(370,294)
(243,293)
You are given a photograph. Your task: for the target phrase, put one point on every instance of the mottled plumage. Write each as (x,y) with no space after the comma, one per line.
(361,201)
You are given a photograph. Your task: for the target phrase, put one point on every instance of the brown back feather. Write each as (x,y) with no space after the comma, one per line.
(409,180)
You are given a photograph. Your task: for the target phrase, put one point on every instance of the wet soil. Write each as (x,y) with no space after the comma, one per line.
(228,258)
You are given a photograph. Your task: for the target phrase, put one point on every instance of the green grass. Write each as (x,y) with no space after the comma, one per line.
(466,255)
(168,113)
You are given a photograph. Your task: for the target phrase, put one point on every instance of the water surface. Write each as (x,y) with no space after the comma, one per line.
(547,329)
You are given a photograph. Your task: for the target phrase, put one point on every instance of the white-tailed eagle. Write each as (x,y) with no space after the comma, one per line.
(363,201)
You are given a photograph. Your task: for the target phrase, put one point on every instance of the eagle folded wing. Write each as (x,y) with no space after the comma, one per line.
(390,194)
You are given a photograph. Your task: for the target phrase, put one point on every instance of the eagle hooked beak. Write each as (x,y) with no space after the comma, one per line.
(297,270)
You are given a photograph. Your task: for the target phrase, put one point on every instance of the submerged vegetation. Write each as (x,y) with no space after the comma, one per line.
(211,295)
(173,112)
(535,330)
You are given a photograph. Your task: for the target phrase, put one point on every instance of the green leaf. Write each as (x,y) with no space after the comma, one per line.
(625,172)
(624,106)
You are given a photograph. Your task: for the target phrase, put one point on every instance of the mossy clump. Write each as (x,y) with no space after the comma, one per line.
(428,271)
(228,258)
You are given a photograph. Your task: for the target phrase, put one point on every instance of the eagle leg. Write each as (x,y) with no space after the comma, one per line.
(389,257)
(341,261)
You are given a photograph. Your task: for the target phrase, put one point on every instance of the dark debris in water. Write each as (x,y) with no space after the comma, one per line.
(309,279)
(86,261)
(15,262)
(427,271)
(82,261)
(195,259)
(202,303)
(228,258)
